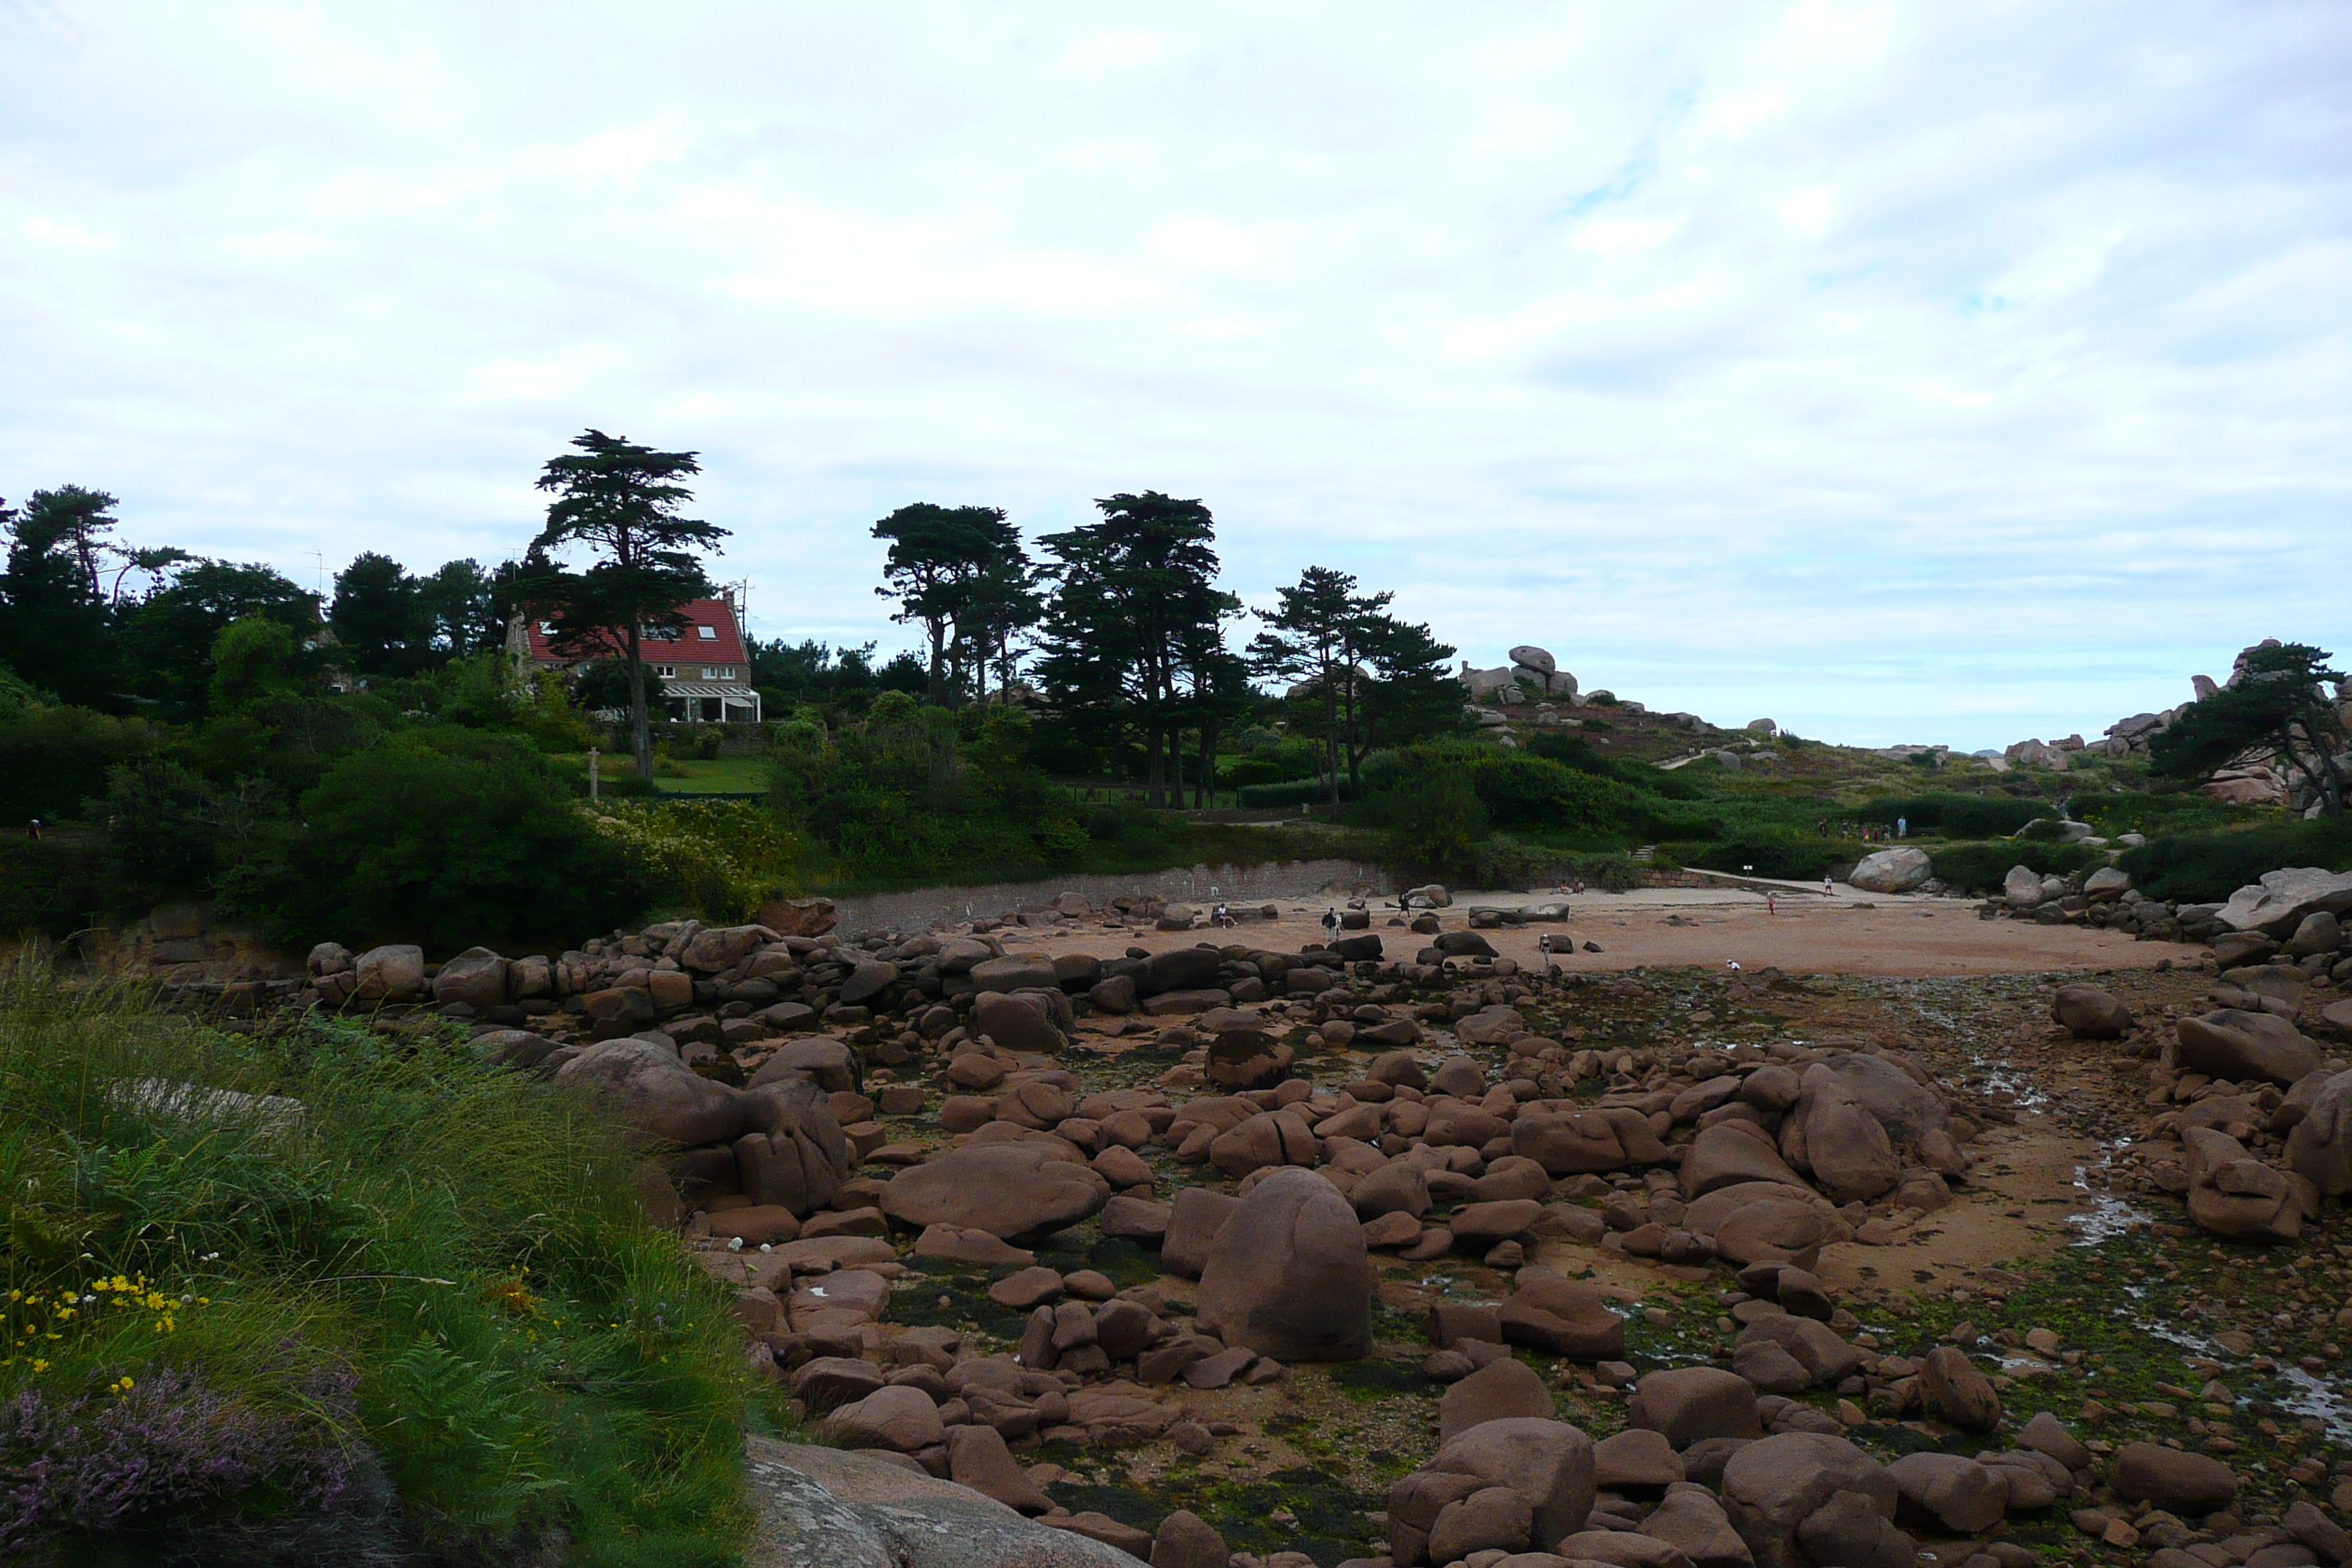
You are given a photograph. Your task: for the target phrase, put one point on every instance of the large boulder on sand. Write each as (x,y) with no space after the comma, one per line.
(1891,871)
(654,1093)
(1016,1191)
(2240,1045)
(2088,1013)
(1767,1222)
(1288,1275)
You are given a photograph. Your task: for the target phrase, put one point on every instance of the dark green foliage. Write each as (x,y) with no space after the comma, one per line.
(1365,678)
(2207,868)
(449,836)
(962,575)
(620,502)
(925,793)
(1131,648)
(55,884)
(1979,867)
(55,620)
(52,758)
(1294,792)
(378,617)
(169,825)
(168,639)
(1432,818)
(1789,855)
(2282,700)
(1954,815)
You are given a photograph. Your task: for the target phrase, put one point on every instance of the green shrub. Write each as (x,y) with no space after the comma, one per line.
(1296,792)
(2207,868)
(1791,856)
(723,858)
(1611,873)
(55,884)
(1979,867)
(449,836)
(1954,815)
(53,759)
(1501,862)
(418,1260)
(1244,772)
(1431,823)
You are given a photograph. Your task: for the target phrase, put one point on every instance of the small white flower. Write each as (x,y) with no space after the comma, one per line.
(734,1244)
(767,1247)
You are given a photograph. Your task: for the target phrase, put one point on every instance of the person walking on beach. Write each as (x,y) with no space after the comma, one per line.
(1331,925)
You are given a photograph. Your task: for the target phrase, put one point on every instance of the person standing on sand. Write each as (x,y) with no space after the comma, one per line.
(1331,925)
(1829,887)
(1769,907)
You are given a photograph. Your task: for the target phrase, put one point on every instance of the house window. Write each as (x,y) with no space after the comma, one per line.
(713,672)
(708,634)
(665,670)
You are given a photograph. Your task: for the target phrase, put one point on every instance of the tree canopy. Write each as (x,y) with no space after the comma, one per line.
(2281,702)
(621,503)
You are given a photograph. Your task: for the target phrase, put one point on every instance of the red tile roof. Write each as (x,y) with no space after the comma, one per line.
(724,646)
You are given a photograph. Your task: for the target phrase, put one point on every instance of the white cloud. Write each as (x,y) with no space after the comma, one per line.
(1903,372)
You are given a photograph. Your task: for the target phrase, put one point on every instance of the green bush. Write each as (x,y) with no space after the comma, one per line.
(1953,815)
(449,836)
(1791,856)
(53,759)
(1979,867)
(2207,868)
(412,1262)
(1297,792)
(723,858)
(1611,873)
(1433,823)
(1244,772)
(55,884)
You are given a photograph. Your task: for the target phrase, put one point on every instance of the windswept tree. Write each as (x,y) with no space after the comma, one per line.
(960,574)
(621,503)
(1373,679)
(1135,603)
(54,619)
(2284,702)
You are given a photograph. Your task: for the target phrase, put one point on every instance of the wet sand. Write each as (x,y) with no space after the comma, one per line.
(1848,933)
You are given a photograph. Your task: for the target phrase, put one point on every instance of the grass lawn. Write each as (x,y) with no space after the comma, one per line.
(720,776)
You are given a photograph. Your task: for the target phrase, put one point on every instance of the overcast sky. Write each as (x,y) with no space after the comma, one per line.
(1949,372)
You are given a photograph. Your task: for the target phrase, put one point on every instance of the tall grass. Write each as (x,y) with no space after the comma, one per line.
(407,1265)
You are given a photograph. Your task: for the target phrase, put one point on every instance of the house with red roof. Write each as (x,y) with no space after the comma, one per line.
(701,674)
